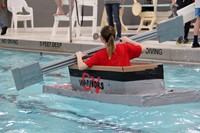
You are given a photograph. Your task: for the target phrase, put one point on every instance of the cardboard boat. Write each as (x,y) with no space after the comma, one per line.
(141,84)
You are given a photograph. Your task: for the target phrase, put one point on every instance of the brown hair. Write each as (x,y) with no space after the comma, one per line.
(108,34)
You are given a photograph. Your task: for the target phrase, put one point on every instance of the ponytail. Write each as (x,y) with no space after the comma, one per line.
(108,34)
(110,46)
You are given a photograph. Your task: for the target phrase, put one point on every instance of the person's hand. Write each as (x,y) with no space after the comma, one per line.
(79,54)
(125,39)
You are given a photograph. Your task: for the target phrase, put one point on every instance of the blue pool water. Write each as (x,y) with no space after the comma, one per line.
(31,111)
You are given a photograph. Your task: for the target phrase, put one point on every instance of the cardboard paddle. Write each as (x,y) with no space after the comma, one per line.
(33,73)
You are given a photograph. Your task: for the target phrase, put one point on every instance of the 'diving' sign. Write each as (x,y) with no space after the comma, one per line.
(140,78)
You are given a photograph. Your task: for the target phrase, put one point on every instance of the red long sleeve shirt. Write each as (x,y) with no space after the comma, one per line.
(121,56)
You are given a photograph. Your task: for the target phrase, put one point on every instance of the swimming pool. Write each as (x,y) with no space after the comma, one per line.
(31,111)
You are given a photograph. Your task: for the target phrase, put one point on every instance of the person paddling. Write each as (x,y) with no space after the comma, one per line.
(113,54)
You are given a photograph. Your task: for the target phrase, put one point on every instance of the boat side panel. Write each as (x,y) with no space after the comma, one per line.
(106,98)
(152,86)
(165,98)
(172,97)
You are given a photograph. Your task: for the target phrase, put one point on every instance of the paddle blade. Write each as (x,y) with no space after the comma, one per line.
(187,12)
(170,29)
(27,75)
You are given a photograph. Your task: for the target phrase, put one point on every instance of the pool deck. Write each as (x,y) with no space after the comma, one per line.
(40,40)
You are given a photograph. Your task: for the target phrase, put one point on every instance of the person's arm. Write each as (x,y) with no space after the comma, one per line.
(125,39)
(81,64)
